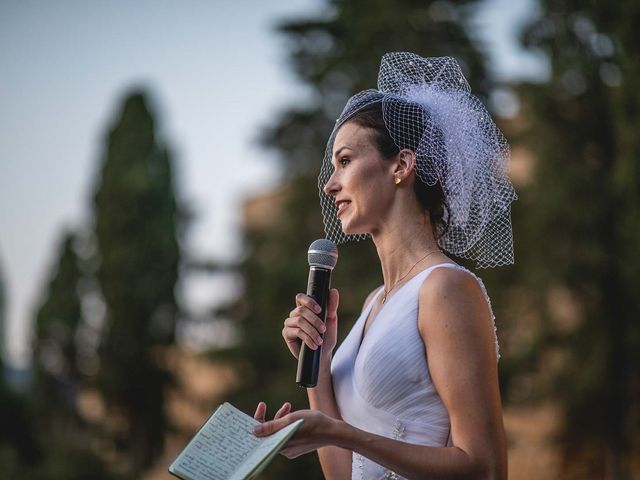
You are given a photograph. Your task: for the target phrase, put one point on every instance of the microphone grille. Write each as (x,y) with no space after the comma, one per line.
(323,253)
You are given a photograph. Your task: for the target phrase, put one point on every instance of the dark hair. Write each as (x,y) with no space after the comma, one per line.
(431,197)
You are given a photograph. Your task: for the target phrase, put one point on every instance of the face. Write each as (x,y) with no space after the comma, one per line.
(362,181)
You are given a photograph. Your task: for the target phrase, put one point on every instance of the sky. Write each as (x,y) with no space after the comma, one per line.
(217,73)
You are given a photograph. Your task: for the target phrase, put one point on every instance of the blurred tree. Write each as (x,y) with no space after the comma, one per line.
(137,226)
(65,440)
(19,449)
(583,228)
(55,371)
(334,55)
(72,462)
(18,446)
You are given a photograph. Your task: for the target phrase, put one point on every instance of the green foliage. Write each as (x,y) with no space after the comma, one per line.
(584,222)
(18,443)
(40,435)
(334,56)
(77,462)
(55,367)
(137,226)
(56,442)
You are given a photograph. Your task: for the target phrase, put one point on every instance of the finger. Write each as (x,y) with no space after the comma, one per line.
(286,452)
(314,320)
(332,316)
(332,304)
(267,428)
(284,410)
(296,328)
(291,453)
(261,411)
(294,348)
(303,300)
(304,324)
(290,334)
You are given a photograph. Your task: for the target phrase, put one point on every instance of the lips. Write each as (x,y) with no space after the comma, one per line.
(342,204)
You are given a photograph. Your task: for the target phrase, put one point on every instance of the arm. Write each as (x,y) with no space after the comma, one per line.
(335,461)
(304,325)
(459,334)
(455,324)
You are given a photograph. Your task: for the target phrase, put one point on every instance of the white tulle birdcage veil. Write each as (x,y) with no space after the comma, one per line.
(428,107)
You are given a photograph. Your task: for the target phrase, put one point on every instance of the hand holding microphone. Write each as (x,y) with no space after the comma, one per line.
(305,327)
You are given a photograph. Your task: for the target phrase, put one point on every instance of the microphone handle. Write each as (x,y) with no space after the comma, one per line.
(309,359)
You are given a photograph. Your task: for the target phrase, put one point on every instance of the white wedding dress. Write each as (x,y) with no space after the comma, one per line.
(382,383)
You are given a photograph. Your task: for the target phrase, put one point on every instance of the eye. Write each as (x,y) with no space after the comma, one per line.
(343,161)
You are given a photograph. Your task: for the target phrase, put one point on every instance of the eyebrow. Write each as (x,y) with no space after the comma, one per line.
(340,149)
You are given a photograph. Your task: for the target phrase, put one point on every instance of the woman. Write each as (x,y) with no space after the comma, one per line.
(412,392)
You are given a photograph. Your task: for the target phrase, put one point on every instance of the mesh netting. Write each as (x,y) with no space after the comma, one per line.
(428,108)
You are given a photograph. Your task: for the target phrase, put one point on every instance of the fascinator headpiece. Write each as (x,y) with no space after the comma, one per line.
(428,107)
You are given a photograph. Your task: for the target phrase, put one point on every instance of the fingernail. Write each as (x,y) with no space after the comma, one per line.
(317,308)
(323,328)
(257,429)
(319,340)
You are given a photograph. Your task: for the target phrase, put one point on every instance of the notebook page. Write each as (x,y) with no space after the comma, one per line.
(268,448)
(219,448)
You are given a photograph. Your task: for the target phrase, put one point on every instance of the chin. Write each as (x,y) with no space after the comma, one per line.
(354,230)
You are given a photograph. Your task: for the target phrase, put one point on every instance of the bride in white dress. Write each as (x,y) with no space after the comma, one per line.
(412,392)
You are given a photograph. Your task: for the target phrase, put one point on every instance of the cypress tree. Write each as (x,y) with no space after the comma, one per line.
(55,370)
(137,228)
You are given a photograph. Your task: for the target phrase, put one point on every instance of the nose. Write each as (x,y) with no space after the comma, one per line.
(332,186)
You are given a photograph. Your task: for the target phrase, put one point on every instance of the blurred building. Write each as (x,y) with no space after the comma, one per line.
(261,211)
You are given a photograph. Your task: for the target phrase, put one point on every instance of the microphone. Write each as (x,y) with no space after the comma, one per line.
(322,256)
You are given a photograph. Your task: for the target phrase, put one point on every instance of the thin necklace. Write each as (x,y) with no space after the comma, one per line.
(387,292)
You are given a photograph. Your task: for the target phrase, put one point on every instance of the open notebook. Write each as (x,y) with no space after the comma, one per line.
(226,449)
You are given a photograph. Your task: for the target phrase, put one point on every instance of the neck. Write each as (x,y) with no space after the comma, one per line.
(402,246)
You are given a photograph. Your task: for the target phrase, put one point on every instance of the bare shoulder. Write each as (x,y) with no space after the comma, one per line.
(452,285)
(452,302)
